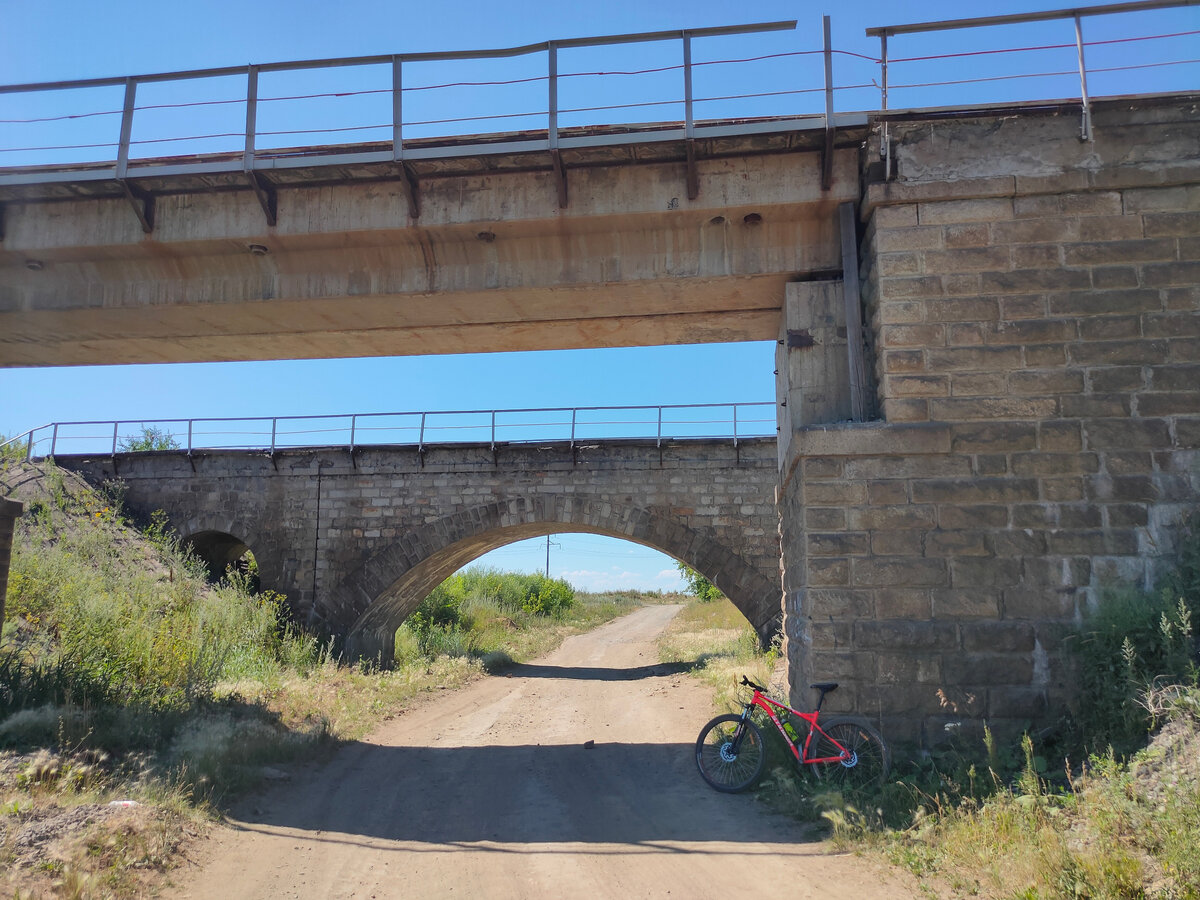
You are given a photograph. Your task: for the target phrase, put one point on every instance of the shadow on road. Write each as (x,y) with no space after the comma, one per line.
(598,673)
(612,793)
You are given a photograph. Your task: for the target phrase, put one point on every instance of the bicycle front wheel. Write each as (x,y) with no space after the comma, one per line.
(730,753)
(869,758)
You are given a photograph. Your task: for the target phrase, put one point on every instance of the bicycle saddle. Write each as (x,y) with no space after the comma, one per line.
(824,686)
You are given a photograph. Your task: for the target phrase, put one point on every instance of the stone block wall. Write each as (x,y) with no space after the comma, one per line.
(357,541)
(1037,335)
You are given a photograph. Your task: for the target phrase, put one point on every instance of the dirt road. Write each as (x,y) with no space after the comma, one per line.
(490,793)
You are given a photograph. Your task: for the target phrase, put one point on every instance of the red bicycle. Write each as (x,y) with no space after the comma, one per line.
(846,752)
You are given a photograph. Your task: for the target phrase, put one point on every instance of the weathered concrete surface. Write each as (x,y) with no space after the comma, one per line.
(356,545)
(1035,309)
(812,361)
(9,511)
(492,263)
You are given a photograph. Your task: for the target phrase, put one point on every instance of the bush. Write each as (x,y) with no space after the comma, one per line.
(1134,640)
(151,438)
(697,585)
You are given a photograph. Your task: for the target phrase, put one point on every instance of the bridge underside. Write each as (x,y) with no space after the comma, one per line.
(492,261)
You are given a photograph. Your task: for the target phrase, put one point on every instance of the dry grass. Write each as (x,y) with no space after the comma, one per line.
(715,637)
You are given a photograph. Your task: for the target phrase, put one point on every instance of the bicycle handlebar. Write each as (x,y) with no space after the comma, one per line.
(748,683)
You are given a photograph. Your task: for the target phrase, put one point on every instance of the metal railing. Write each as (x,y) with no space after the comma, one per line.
(389,141)
(396,150)
(492,427)
(1076,15)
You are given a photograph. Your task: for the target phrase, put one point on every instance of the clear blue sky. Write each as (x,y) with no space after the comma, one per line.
(56,40)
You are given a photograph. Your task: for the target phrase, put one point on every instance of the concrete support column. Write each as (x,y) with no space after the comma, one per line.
(812,364)
(9,510)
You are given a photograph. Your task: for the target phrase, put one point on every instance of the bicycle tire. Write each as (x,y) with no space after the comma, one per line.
(730,762)
(871,763)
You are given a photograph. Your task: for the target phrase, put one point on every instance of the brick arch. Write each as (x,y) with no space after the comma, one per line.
(371,602)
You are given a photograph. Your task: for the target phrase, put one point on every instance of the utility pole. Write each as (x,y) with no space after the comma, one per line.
(547,556)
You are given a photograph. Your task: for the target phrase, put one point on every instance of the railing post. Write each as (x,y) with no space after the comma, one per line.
(189,449)
(29,448)
(573,412)
(493,429)
(114,443)
(735,434)
(53,438)
(1085,131)
(689,131)
(687,87)
(560,174)
(552,123)
(126,128)
(421,435)
(397,111)
(827,161)
(658,439)
(274,430)
(884,139)
(353,426)
(251,116)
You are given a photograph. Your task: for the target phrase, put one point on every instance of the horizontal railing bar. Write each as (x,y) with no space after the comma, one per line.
(438,412)
(1017,18)
(436,56)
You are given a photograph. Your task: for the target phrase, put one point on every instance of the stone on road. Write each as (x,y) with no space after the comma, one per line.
(491,792)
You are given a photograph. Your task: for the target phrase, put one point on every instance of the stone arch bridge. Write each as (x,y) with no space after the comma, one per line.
(357,541)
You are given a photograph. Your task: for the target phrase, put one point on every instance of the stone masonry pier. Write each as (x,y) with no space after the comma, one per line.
(1034,310)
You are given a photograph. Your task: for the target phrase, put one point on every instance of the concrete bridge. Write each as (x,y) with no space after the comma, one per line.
(357,541)
(988,358)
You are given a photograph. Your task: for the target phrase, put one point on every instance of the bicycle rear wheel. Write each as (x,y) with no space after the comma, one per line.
(730,754)
(869,762)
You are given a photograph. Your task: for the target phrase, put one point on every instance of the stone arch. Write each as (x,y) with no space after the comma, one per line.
(217,549)
(371,602)
(219,540)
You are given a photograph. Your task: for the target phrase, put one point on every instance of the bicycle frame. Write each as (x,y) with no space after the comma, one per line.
(765,703)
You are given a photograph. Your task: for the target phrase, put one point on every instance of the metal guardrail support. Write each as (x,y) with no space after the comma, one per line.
(116,426)
(689,125)
(827,159)
(1085,129)
(54,439)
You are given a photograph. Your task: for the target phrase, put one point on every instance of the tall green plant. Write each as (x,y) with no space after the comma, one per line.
(697,585)
(1133,641)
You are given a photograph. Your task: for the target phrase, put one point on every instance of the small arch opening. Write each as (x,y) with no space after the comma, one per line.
(224,553)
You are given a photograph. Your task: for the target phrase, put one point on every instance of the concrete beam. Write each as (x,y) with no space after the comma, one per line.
(492,264)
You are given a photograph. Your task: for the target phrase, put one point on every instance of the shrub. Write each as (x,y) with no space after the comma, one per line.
(151,438)
(697,585)
(1133,640)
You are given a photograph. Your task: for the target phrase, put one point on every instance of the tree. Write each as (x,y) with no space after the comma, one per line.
(698,585)
(151,438)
